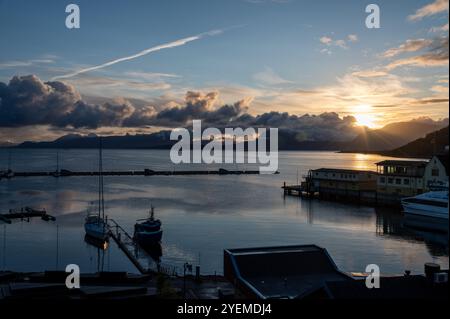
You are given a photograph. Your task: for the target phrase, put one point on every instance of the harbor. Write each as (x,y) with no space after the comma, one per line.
(191,259)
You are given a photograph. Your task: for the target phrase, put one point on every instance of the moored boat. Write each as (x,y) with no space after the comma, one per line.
(431,204)
(148,231)
(96,225)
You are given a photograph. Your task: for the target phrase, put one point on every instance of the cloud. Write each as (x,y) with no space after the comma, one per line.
(150,75)
(443,28)
(341,44)
(369,73)
(408,46)
(168,45)
(440,89)
(269,77)
(352,38)
(27,63)
(326,40)
(437,55)
(437,6)
(26,100)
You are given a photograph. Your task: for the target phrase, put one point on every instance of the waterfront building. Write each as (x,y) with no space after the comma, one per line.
(400,178)
(436,173)
(327,179)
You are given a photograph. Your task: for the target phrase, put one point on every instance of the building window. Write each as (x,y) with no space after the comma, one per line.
(435,172)
(382,180)
(398,181)
(406,181)
(390,180)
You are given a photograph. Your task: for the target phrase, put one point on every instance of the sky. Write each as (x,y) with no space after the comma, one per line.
(136,66)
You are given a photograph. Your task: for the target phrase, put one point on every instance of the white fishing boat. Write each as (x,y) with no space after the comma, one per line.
(431,204)
(95,225)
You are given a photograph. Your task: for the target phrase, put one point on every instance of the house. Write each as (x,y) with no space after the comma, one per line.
(400,178)
(436,173)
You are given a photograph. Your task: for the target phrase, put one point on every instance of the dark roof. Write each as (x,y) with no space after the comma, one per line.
(402,163)
(444,160)
(342,170)
(283,271)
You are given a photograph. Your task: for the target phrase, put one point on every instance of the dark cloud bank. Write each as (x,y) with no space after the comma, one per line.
(26,100)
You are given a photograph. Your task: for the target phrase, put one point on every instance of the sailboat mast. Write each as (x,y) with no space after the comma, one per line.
(9,159)
(100,177)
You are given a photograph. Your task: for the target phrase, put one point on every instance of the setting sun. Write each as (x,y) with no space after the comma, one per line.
(365,120)
(363,115)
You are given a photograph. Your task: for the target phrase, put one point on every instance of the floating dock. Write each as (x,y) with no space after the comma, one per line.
(25,214)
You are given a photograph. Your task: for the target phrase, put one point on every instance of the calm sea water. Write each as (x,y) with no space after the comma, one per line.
(201,215)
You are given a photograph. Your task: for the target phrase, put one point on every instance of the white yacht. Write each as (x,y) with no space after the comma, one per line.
(431,204)
(96,225)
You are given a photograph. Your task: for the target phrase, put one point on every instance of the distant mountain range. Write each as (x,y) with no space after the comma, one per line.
(159,140)
(391,137)
(433,143)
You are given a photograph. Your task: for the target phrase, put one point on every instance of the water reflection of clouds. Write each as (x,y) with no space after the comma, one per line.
(205,214)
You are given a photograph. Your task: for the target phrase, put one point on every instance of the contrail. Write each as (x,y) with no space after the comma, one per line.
(169,45)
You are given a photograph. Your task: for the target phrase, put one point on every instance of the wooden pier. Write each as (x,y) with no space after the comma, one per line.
(132,250)
(25,214)
(145,172)
(126,243)
(298,190)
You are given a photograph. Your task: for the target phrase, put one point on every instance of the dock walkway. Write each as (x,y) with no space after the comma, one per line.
(133,250)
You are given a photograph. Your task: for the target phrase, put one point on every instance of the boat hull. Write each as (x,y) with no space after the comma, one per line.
(425,210)
(96,230)
(145,238)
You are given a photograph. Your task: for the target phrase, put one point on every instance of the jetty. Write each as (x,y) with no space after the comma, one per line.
(25,214)
(145,172)
(133,250)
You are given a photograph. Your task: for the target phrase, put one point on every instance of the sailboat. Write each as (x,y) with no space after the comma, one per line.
(95,225)
(8,173)
(57,173)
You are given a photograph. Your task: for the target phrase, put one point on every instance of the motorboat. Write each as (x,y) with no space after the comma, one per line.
(148,231)
(430,204)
